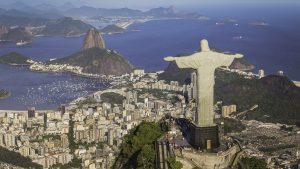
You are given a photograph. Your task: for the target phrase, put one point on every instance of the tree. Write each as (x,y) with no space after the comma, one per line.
(173,164)
(137,150)
(17,159)
(146,158)
(251,163)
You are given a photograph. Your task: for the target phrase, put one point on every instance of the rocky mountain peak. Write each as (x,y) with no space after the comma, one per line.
(93,39)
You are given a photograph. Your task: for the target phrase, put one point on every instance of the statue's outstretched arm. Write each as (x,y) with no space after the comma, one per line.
(169,59)
(182,62)
(238,56)
(226,60)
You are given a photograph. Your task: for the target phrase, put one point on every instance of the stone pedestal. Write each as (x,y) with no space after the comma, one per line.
(204,137)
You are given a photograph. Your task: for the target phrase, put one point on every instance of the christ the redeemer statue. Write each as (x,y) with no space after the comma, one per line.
(205,62)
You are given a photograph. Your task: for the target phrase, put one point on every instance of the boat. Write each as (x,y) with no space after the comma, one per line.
(22,43)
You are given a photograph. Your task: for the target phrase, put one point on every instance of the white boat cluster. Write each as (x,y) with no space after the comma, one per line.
(58,91)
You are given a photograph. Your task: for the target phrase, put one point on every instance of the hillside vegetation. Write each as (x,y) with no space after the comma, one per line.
(65,26)
(98,61)
(277,97)
(137,150)
(17,159)
(14,58)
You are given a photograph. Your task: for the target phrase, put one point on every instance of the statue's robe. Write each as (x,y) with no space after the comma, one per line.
(205,62)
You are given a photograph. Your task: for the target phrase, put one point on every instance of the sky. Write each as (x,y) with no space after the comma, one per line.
(144,4)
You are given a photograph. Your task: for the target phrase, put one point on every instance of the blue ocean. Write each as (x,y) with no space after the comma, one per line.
(269,38)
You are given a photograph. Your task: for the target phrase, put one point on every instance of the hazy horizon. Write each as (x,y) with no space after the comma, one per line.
(137,4)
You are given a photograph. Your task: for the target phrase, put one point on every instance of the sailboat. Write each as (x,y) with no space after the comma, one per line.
(22,43)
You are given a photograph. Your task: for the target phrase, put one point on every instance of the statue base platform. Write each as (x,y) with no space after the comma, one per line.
(204,137)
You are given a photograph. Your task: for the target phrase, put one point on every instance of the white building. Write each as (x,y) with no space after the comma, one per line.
(261,73)
(280,73)
(139,72)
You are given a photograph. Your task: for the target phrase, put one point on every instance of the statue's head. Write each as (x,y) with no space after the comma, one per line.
(204,46)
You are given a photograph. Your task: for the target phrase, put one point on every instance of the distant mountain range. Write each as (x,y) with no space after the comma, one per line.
(93,12)
(65,26)
(126,12)
(53,20)
(42,10)
(49,11)
(59,27)
(14,17)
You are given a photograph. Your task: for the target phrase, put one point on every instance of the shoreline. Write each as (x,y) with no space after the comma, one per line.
(74,73)
(106,87)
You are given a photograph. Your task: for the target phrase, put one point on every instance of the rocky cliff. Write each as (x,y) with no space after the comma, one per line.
(93,39)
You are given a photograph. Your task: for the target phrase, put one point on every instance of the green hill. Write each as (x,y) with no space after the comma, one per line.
(277,97)
(65,26)
(137,150)
(14,59)
(98,61)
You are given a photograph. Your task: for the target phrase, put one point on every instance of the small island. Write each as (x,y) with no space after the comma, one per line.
(14,58)
(4,94)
